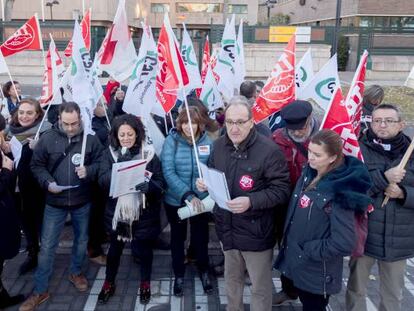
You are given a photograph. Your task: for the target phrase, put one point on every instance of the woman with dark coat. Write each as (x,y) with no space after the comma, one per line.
(24,125)
(9,226)
(11,99)
(127,143)
(320,223)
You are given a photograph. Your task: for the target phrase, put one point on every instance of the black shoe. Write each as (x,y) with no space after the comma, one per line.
(8,301)
(218,270)
(107,291)
(178,287)
(205,281)
(144,293)
(29,264)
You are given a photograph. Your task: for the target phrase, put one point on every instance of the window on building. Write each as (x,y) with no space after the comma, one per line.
(160,7)
(199,7)
(238,8)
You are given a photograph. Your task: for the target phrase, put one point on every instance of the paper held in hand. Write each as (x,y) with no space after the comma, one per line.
(125,176)
(216,183)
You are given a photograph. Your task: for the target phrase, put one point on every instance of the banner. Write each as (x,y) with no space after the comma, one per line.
(86,33)
(27,37)
(323,84)
(355,95)
(171,72)
(190,61)
(279,89)
(210,94)
(239,63)
(304,71)
(337,119)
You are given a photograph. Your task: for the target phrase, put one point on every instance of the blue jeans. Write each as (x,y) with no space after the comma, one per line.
(53,222)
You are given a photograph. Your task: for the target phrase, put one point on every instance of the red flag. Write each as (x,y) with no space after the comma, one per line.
(86,33)
(204,65)
(279,89)
(171,72)
(27,37)
(355,94)
(337,119)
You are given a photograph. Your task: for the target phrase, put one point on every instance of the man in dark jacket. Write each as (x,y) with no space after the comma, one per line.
(293,140)
(258,181)
(56,165)
(390,238)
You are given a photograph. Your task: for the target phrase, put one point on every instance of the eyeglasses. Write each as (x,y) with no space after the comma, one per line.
(386,121)
(238,123)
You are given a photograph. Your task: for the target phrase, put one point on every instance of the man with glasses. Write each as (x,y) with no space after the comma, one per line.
(390,238)
(258,181)
(293,140)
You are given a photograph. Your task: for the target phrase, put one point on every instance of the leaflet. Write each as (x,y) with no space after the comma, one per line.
(125,176)
(216,183)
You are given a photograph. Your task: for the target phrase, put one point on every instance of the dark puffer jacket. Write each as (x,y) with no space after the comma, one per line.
(52,144)
(390,228)
(320,227)
(148,225)
(9,221)
(256,169)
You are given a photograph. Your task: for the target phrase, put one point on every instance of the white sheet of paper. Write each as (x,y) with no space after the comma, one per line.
(63,188)
(16,149)
(216,183)
(125,176)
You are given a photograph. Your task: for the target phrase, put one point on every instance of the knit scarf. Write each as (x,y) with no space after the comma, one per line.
(23,133)
(128,206)
(392,148)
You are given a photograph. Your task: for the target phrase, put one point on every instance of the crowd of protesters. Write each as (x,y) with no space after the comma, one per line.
(292,189)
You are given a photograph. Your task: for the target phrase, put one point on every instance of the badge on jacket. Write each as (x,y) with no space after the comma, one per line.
(204,150)
(304,201)
(76,159)
(246,182)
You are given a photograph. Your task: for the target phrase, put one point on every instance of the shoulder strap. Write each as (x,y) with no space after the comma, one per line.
(62,156)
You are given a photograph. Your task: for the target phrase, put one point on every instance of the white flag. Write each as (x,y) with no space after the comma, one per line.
(210,94)
(304,70)
(82,78)
(239,64)
(410,79)
(3,65)
(190,62)
(118,56)
(225,61)
(323,84)
(140,96)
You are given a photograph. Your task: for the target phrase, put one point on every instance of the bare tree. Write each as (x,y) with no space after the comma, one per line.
(8,9)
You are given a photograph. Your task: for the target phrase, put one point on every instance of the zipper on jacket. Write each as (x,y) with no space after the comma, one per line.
(310,210)
(324,279)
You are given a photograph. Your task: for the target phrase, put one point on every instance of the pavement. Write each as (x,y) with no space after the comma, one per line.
(64,297)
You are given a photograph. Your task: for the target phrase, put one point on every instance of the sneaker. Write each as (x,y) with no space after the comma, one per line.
(144,292)
(33,301)
(99,260)
(281,298)
(79,281)
(107,291)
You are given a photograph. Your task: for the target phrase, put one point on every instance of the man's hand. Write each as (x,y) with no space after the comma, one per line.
(395,175)
(7,163)
(239,205)
(81,171)
(53,188)
(394,192)
(201,186)
(197,205)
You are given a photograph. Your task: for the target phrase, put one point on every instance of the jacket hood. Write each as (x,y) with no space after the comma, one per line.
(348,183)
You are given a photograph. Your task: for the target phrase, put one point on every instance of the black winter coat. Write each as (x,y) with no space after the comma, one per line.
(256,169)
(390,229)
(51,145)
(320,227)
(9,223)
(148,225)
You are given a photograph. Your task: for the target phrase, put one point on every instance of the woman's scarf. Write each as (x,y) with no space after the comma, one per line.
(23,133)
(128,206)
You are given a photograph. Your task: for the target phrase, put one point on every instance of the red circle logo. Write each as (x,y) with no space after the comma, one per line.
(22,39)
(246,182)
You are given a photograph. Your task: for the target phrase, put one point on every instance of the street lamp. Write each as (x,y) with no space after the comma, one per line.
(50,4)
(337,27)
(269,4)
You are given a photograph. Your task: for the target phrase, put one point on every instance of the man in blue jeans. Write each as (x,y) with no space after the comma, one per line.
(56,165)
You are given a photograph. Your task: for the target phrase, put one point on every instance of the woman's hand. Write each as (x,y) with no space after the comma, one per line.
(201,186)
(32,143)
(197,205)
(7,163)
(6,147)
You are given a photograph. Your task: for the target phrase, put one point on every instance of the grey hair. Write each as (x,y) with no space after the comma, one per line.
(240,101)
(391,107)
(374,93)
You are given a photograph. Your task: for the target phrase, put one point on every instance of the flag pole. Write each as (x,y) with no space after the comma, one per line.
(42,4)
(106,112)
(2,10)
(166,125)
(171,119)
(43,120)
